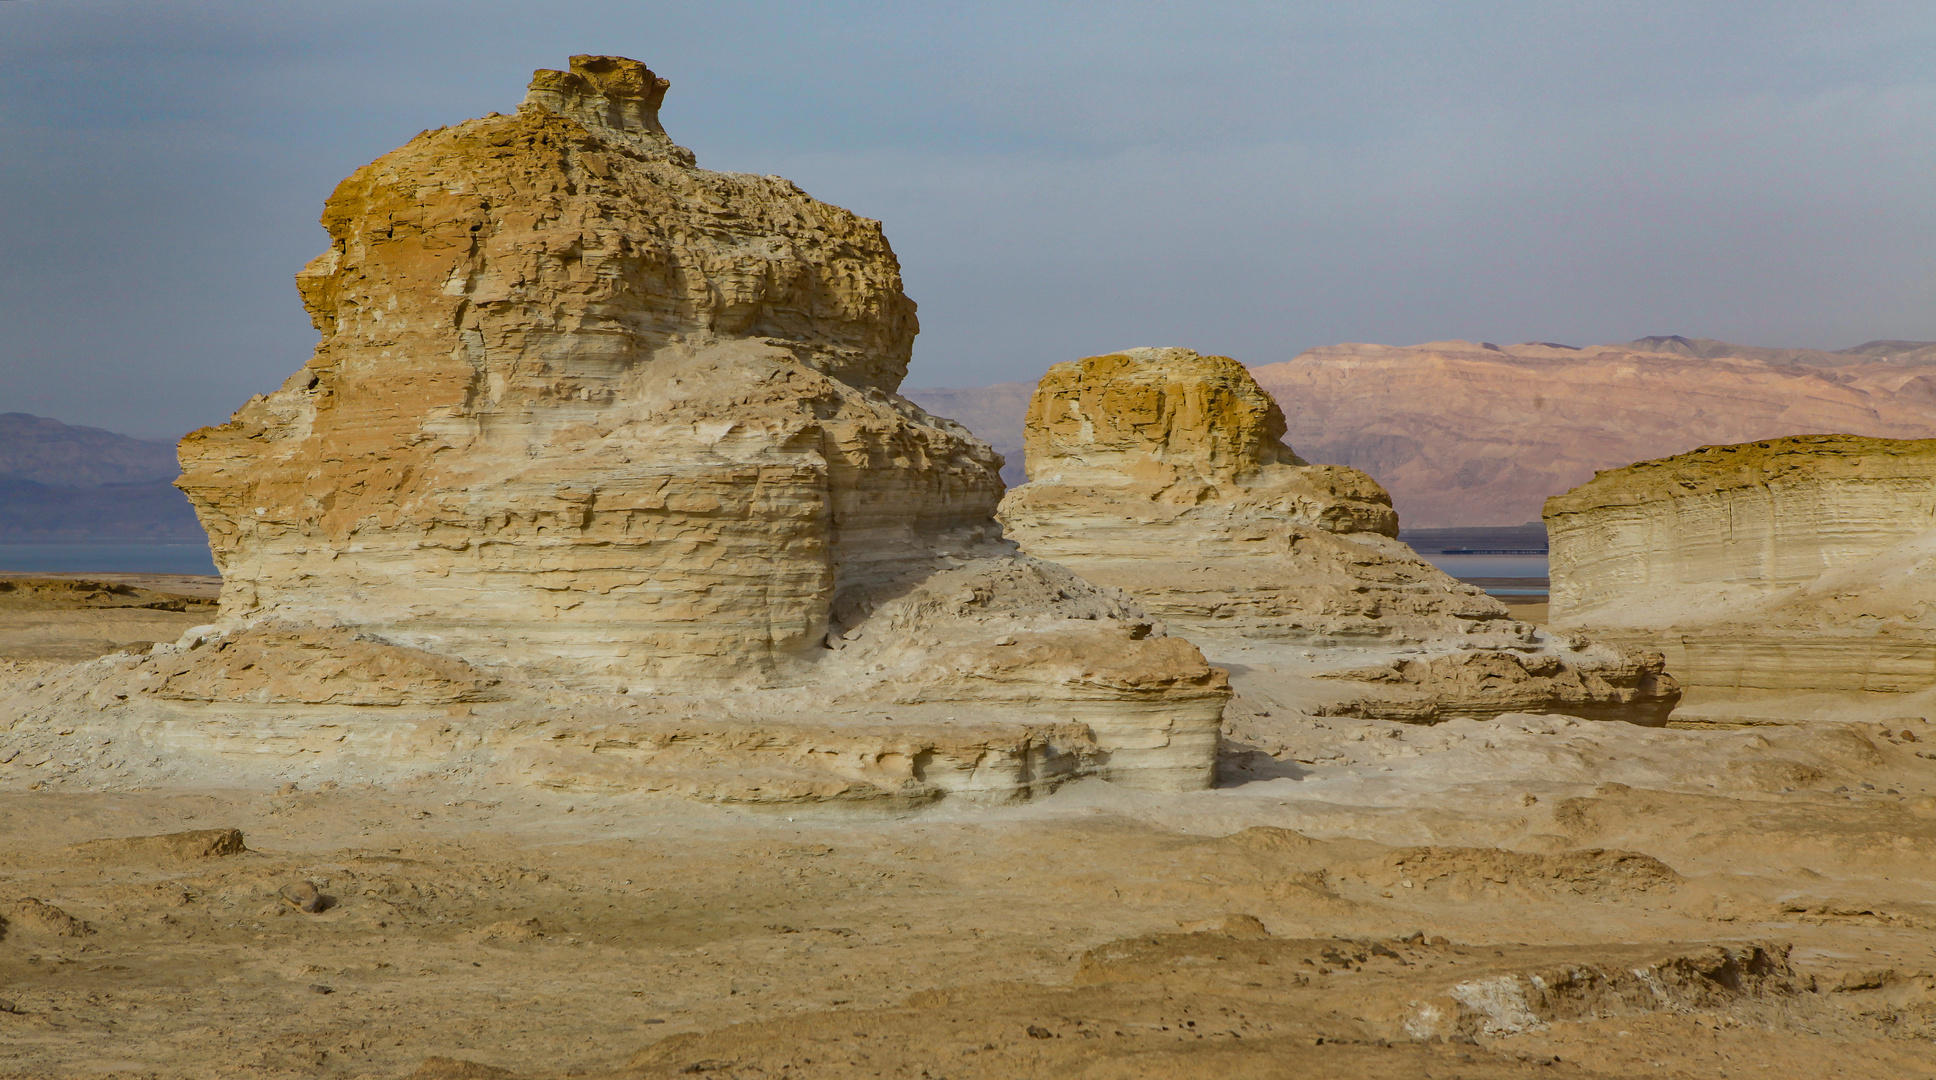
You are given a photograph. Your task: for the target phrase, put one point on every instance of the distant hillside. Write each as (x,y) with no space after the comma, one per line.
(1471,433)
(60,483)
(42,513)
(1894,352)
(49,452)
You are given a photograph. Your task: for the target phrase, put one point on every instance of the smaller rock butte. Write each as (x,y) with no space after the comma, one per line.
(598,467)
(1766,568)
(1162,472)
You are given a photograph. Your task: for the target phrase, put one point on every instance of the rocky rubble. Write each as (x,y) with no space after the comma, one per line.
(1163,472)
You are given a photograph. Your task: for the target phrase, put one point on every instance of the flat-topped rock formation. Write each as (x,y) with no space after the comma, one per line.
(1164,473)
(1465,433)
(588,419)
(1779,566)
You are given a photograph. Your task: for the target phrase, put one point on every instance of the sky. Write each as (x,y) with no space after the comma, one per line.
(1058,179)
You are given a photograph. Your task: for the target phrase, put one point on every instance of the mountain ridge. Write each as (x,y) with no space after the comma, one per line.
(69,483)
(47,451)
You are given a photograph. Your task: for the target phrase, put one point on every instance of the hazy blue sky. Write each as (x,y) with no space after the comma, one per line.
(1058,179)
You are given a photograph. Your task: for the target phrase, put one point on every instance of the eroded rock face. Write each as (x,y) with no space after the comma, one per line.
(581,405)
(1163,472)
(592,431)
(1794,564)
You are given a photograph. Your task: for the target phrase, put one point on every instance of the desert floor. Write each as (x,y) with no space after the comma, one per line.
(1751,901)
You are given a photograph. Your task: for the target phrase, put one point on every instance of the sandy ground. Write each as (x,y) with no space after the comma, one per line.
(1528,608)
(1370,900)
(69,617)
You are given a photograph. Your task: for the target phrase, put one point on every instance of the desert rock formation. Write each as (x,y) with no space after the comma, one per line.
(1164,473)
(1788,565)
(1470,433)
(588,420)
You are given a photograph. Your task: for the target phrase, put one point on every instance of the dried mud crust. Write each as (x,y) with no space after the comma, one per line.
(359,932)
(76,594)
(1213,1005)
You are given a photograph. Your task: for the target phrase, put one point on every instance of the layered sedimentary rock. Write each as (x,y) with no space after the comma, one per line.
(996,414)
(1794,564)
(583,406)
(1470,433)
(1164,473)
(589,418)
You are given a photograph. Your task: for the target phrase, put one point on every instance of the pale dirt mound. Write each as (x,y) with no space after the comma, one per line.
(1468,872)
(317,666)
(1481,685)
(34,916)
(167,847)
(1391,760)
(1270,841)
(1341,876)
(900,764)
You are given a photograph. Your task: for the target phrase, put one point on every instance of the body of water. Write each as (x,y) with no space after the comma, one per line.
(195,559)
(106,558)
(1488,566)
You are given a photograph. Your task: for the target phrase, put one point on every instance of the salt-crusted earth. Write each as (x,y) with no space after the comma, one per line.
(1358,898)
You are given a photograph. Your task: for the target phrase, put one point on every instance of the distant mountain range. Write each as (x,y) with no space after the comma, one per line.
(1893,352)
(1472,433)
(45,451)
(62,483)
